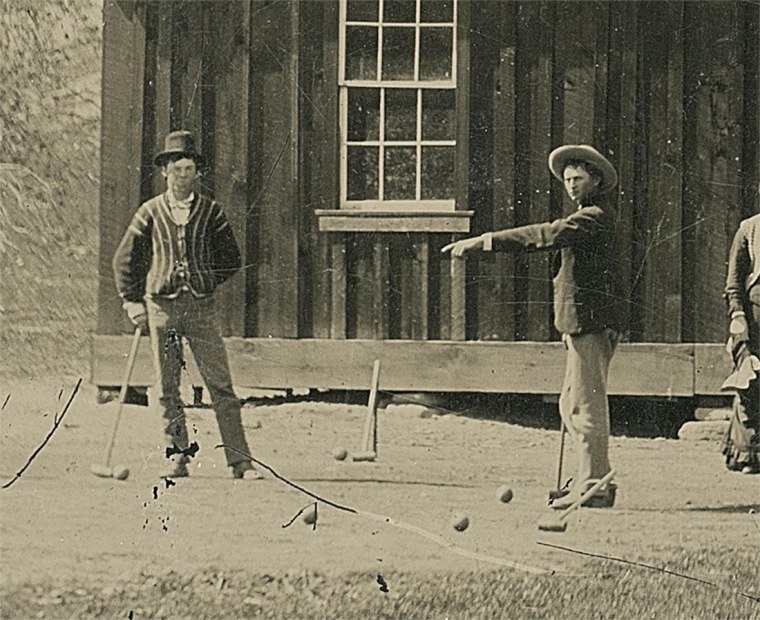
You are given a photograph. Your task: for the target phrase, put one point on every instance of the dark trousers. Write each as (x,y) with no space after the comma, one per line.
(742,446)
(169,320)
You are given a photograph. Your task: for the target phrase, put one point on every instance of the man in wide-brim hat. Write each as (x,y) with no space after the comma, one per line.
(178,248)
(593,161)
(586,303)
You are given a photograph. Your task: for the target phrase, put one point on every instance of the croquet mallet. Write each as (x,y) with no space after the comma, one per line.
(105,470)
(369,439)
(558,523)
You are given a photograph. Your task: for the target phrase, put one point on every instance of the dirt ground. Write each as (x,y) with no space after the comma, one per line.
(60,521)
(73,545)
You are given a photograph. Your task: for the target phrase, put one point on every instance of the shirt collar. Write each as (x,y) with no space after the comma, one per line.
(179,204)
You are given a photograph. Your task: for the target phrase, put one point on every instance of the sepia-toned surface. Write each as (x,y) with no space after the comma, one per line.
(60,525)
(49,184)
(74,545)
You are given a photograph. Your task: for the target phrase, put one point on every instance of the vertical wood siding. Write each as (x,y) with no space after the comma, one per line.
(713,162)
(121,137)
(620,134)
(667,90)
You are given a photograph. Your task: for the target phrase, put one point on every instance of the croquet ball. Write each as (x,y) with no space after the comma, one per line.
(460,522)
(504,493)
(340,454)
(310,516)
(120,473)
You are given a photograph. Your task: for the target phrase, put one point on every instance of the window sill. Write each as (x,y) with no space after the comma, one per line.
(343,220)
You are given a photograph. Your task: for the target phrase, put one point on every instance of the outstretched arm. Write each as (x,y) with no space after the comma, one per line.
(574,229)
(459,248)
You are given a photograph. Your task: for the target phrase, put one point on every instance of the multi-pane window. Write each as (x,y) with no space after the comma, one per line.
(397,103)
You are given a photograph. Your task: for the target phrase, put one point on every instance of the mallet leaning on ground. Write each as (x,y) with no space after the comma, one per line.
(104,469)
(368,450)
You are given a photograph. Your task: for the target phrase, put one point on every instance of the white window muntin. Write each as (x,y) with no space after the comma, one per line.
(380,26)
(379,203)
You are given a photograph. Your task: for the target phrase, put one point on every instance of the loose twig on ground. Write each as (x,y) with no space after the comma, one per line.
(56,423)
(285,480)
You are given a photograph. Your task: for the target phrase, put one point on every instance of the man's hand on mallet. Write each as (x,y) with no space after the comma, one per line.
(137,313)
(459,248)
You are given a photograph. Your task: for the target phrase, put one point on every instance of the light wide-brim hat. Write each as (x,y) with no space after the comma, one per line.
(559,157)
(178,144)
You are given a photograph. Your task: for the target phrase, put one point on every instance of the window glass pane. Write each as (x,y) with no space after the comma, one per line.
(361,53)
(438,120)
(363,114)
(362,10)
(435,53)
(437,172)
(398,54)
(363,173)
(400,173)
(399,11)
(401,114)
(437,11)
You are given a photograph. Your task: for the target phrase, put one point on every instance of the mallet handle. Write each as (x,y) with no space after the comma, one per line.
(369,440)
(562,432)
(123,393)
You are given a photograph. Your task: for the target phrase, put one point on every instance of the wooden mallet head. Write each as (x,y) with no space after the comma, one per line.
(552,524)
(103,471)
(368,456)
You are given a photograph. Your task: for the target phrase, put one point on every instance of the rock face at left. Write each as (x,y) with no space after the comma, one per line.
(49,185)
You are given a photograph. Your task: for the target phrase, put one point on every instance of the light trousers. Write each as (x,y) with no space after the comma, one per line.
(169,320)
(583,403)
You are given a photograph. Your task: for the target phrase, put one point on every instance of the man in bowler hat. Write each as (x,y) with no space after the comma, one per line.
(177,250)
(586,303)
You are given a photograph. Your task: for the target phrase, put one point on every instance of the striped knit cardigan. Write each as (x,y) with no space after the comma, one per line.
(157,257)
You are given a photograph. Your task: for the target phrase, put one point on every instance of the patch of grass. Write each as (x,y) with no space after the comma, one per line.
(605,589)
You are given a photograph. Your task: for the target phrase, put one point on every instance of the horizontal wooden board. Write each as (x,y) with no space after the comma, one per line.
(442,366)
(712,364)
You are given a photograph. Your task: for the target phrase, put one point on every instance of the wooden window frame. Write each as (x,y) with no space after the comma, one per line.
(418,215)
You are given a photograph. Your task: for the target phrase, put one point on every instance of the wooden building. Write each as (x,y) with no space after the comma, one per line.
(349,140)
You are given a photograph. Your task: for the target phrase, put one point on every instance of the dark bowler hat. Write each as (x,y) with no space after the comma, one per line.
(583,152)
(178,143)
